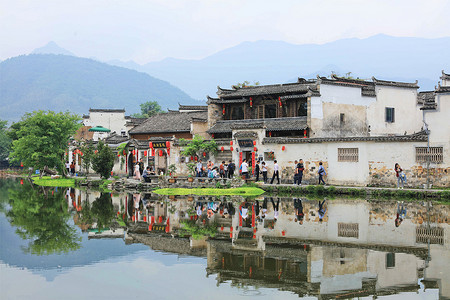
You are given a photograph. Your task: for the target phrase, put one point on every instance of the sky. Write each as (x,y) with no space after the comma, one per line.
(151,30)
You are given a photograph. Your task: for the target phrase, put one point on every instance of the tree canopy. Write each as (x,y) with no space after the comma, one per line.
(5,141)
(148,109)
(198,145)
(41,137)
(103,160)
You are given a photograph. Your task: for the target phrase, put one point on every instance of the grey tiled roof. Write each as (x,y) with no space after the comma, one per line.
(276,124)
(106,110)
(427,99)
(169,122)
(367,87)
(395,83)
(443,89)
(114,138)
(192,107)
(415,137)
(445,76)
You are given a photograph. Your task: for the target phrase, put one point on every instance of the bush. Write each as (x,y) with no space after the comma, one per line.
(103,161)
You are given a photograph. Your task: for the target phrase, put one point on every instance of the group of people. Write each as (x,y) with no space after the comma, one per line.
(70,167)
(140,172)
(224,170)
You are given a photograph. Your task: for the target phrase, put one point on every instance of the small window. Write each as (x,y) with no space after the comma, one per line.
(390,115)
(435,155)
(237,113)
(303,109)
(348,155)
(342,119)
(390,260)
(270,111)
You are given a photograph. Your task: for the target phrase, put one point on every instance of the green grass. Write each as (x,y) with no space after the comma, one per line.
(48,181)
(242,191)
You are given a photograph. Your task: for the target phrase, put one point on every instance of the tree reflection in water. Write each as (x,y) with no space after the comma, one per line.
(41,216)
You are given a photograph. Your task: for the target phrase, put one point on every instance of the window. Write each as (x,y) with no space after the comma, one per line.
(270,111)
(435,235)
(390,260)
(348,230)
(348,154)
(237,113)
(436,155)
(303,109)
(342,119)
(260,112)
(390,115)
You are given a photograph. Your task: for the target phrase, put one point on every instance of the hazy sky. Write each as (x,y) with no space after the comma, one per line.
(149,30)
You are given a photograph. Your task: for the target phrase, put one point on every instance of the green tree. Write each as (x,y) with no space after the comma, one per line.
(5,141)
(148,109)
(102,211)
(197,145)
(87,148)
(244,84)
(42,218)
(103,160)
(41,139)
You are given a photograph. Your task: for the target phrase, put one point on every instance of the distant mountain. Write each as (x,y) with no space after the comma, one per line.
(61,82)
(382,56)
(52,48)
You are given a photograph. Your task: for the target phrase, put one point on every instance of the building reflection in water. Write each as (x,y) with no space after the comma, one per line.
(355,249)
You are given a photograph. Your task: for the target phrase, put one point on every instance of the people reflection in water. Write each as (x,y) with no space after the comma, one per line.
(257,210)
(199,209)
(401,213)
(322,210)
(298,206)
(244,211)
(276,208)
(264,208)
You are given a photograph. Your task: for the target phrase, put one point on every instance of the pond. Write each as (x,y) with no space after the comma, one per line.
(59,243)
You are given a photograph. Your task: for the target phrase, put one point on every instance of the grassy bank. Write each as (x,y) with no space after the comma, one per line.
(242,191)
(58,182)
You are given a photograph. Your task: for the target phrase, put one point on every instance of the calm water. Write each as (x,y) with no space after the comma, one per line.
(72,244)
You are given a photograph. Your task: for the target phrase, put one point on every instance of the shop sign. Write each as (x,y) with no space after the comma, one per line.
(245,143)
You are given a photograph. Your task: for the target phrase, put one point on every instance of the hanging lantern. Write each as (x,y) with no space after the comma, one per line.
(251,102)
(212,135)
(279,101)
(21,164)
(167,144)
(254,143)
(304,133)
(283,233)
(196,158)
(150,145)
(223,110)
(160,153)
(231,148)
(255,149)
(231,143)
(270,133)
(204,154)
(221,148)
(118,154)
(283,148)
(145,153)
(221,228)
(21,181)
(192,158)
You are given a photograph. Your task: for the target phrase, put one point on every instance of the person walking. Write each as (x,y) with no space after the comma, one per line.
(72,168)
(295,171)
(244,169)
(401,177)
(141,166)
(321,173)
(298,207)
(225,169)
(68,167)
(231,168)
(276,171)
(137,173)
(257,171)
(264,171)
(300,168)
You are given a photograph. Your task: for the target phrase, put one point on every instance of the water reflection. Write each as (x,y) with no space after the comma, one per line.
(327,248)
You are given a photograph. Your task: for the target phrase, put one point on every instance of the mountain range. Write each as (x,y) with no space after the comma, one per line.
(270,62)
(63,82)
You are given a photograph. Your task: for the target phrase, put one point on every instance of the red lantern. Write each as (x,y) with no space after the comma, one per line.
(212,135)
(231,143)
(270,133)
(192,158)
(254,143)
(304,133)
(150,145)
(283,148)
(283,233)
(21,164)
(204,154)
(145,153)
(196,158)
(111,173)
(160,153)
(221,228)
(21,181)
(167,144)
(255,149)
(223,109)
(118,154)
(279,100)
(231,148)
(221,148)
(251,102)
